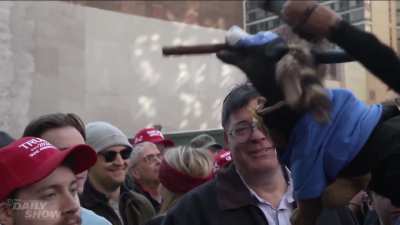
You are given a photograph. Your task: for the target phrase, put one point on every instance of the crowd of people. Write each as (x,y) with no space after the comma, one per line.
(63,171)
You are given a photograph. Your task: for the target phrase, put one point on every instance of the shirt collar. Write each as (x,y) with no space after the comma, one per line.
(287,198)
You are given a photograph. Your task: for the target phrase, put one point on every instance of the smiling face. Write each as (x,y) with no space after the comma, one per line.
(51,201)
(110,175)
(255,154)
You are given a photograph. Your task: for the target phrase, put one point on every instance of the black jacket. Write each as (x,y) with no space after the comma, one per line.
(224,200)
(134,186)
(134,208)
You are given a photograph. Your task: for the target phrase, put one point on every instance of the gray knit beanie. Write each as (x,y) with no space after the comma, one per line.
(102,135)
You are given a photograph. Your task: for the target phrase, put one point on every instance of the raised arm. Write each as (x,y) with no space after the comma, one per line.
(374,55)
(318,21)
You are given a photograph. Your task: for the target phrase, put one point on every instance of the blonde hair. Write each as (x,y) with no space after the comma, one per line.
(194,162)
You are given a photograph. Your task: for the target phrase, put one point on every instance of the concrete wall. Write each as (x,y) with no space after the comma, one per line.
(203,13)
(383,24)
(380,20)
(102,65)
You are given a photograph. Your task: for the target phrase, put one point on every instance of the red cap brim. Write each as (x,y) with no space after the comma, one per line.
(80,158)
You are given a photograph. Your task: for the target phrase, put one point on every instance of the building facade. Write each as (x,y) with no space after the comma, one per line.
(378,17)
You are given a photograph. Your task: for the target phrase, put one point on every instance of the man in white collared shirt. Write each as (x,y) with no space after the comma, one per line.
(255,189)
(279,214)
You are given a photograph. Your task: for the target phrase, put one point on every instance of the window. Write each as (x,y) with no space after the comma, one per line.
(352,4)
(252,29)
(357,16)
(251,16)
(359,3)
(360,26)
(346,17)
(253,4)
(343,5)
(334,5)
(276,22)
(261,26)
(260,14)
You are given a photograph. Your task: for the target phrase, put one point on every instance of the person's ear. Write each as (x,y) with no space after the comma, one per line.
(133,171)
(6,214)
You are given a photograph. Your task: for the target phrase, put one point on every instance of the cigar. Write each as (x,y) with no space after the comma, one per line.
(193,49)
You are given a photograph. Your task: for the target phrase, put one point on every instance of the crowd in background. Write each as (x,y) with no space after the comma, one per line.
(138,180)
(65,171)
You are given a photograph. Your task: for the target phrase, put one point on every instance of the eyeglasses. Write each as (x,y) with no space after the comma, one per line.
(109,156)
(152,158)
(243,130)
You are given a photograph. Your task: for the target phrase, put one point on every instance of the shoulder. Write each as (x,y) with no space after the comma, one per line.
(132,196)
(89,217)
(203,194)
(137,201)
(195,207)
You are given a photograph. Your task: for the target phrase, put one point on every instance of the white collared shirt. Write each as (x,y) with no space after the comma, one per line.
(280,215)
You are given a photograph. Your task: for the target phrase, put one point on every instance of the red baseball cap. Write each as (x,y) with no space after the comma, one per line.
(151,135)
(29,160)
(222,159)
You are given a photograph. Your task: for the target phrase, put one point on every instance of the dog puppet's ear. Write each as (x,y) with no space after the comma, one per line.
(256,55)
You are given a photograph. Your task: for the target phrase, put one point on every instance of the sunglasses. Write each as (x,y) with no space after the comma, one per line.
(110,156)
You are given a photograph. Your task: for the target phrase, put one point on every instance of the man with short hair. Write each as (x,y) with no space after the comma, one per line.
(38,182)
(65,130)
(143,170)
(154,136)
(104,191)
(255,189)
(207,142)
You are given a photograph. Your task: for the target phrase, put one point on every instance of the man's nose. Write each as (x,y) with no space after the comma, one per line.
(119,160)
(71,204)
(257,135)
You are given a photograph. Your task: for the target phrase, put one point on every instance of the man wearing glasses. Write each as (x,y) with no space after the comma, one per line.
(104,192)
(255,189)
(143,170)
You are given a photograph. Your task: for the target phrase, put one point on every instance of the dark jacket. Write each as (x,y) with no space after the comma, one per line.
(134,208)
(134,186)
(224,200)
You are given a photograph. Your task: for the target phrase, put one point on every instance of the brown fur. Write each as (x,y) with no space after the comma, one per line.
(300,78)
(301,81)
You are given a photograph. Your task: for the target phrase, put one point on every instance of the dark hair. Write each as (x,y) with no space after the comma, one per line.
(237,98)
(5,139)
(38,126)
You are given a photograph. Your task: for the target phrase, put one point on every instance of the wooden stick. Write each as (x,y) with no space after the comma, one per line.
(326,57)
(193,49)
